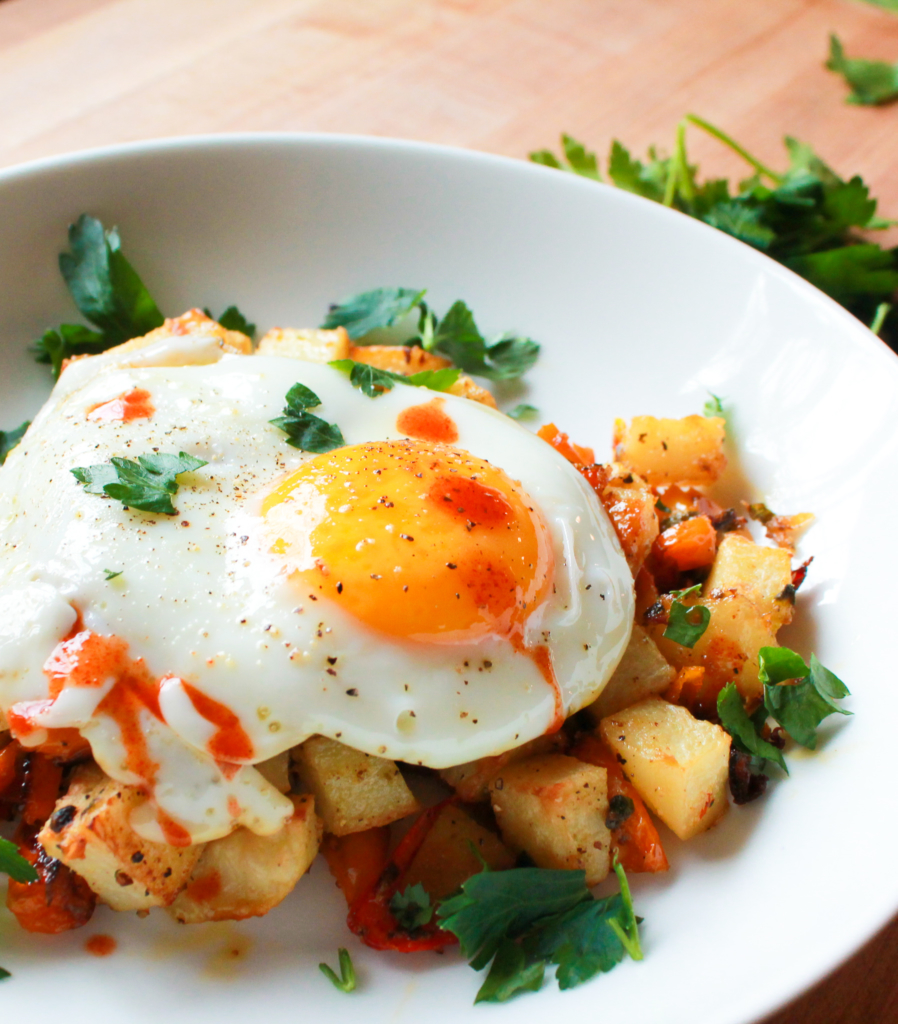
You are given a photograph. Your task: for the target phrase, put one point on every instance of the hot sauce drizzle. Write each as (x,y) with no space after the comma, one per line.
(428,422)
(230,741)
(100,945)
(132,405)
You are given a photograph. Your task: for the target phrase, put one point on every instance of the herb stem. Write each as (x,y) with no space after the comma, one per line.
(630,937)
(346,982)
(727,140)
(879,318)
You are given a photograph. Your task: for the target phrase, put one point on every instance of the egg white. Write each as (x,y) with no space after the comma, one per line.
(202,598)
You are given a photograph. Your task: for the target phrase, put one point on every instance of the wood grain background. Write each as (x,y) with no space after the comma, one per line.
(506,76)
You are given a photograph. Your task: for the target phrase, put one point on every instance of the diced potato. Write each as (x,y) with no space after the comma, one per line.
(445,858)
(404,359)
(728,649)
(630,505)
(642,672)
(554,809)
(90,832)
(678,764)
(245,875)
(471,781)
(194,321)
(311,344)
(466,388)
(353,791)
(763,575)
(666,451)
(276,770)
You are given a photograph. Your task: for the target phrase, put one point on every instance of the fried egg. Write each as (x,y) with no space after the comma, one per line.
(444,587)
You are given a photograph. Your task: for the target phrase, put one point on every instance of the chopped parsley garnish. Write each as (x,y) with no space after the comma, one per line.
(806,217)
(714,405)
(412,908)
(686,623)
(523,411)
(12,863)
(523,920)
(112,574)
(346,982)
(455,335)
(304,430)
(872,82)
(233,320)
(372,381)
(797,697)
(10,438)
(147,484)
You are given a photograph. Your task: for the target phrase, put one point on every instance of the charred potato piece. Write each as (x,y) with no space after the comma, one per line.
(554,809)
(90,832)
(471,781)
(763,575)
(678,764)
(353,791)
(245,875)
(667,451)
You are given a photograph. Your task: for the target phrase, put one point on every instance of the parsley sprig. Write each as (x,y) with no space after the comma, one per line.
(523,920)
(304,429)
(346,980)
(12,863)
(10,438)
(455,335)
(686,623)
(797,697)
(147,484)
(872,82)
(806,217)
(372,381)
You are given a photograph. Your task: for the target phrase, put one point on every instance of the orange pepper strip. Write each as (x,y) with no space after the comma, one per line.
(8,756)
(575,453)
(357,861)
(637,842)
(43,778)
(690,544)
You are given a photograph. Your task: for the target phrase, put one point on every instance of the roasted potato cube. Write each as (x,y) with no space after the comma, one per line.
(353,791)
(310,344)
(466,388)
(763,575)
(471,781)
(554,809)
(90,832)
(245,875)
(630,505)
(642,672)
(678,764)
(194,321)
(276,770)
(404,359)
(688,450)
(445,858)
(728,649)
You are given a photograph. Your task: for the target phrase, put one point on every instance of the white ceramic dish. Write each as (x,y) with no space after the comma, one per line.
(640,310)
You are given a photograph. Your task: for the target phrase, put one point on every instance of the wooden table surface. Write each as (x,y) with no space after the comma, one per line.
(506,76)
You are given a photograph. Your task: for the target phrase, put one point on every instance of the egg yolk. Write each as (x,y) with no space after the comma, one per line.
(417,540)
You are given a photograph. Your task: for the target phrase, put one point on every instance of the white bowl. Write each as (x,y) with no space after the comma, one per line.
(640,310)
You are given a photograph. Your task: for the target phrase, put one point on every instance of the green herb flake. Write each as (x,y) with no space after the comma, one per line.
(12,863)
(412,908)
(368,311)
(10,438)
(233,320)
(372,381)
(745,732)
(797,696)
(510,974)
(147,484)
(4,974)
(346,982)
(686,623)
(304,430)
(714,406)
(523,411)
(872,82)
(112,574)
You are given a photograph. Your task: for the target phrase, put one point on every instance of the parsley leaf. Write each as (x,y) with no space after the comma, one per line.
(686,623)
(372,381)
(806,217)
(457,337)
(360,314)
(412,908)
(801,707)
(12,863)
(871,81)
(4,974)
(714,406)
(10,438)
(346,982)
(233,320)
(146,484)
(886,5)
(737,722)
(112,574)
(106,289)
(527,918)
(523,411)
(304,430)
